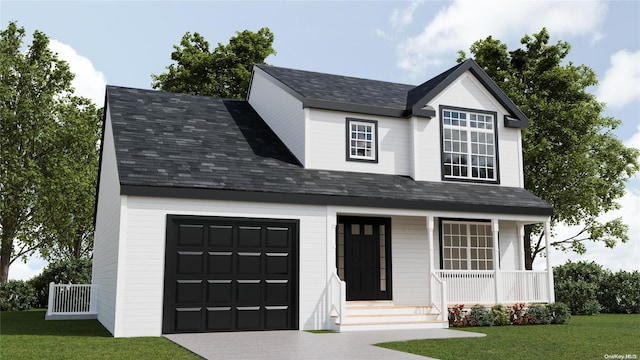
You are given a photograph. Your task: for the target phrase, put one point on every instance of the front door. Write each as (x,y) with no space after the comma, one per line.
(364,243)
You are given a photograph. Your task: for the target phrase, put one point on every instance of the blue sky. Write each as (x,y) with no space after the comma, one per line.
(123,43)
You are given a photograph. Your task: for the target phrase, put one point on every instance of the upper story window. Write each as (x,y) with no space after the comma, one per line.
(362,140)
(469,144)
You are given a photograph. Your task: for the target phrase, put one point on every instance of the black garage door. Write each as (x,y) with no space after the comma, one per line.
(230,274)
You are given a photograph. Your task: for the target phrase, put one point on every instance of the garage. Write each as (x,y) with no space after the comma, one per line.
(230,274)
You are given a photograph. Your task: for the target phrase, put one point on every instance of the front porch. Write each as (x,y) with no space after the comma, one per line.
(424,267)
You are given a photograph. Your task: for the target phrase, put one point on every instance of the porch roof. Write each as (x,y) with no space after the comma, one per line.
(179,145)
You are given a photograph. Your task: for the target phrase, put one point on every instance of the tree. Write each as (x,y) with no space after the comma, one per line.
(48,154)
(224,72)
(572,159)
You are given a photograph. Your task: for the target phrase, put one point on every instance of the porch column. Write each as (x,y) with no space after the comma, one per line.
(521,250)
(332,220)
(547,245)
(495,228)
(430,240)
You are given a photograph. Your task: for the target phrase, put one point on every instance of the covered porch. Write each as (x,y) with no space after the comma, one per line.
(426,262)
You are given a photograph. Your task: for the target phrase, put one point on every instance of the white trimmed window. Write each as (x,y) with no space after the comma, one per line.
(362,140)
(467,246)
(469,145)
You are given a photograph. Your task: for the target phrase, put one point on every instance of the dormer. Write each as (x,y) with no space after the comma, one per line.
(458,126)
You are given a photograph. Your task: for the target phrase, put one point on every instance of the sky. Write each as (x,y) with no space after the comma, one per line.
(124,42)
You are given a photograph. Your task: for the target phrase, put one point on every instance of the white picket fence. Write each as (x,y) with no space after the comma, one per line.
(72,301)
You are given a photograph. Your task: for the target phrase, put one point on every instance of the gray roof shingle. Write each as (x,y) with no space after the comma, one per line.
(180,145)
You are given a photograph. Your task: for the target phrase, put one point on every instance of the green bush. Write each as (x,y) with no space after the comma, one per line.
(16,295)
(500,315)
(480,316)
(68,271)
(577,284)
(560,313)
(620,293)
(540,314)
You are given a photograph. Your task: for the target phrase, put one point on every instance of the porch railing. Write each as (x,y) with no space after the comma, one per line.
(338,298)
(439,296)
(479,286)
(72,299)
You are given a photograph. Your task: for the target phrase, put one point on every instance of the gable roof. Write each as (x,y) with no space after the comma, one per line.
(179,145)
(344,93)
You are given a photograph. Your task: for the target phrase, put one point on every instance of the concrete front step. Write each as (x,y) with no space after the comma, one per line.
(384,315)
(395,326)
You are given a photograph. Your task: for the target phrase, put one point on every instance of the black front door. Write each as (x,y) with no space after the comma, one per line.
(367,257)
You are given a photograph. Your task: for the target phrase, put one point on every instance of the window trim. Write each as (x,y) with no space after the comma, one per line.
(485,222)
(496,181)
(374,141)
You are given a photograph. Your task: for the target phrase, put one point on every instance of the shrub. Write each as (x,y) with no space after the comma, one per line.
(620,293)
(577,284)
(540,314)
(479,316)
(68,271)
(560,313)
(500,315)
(16,295)
(457,316)
(520,316)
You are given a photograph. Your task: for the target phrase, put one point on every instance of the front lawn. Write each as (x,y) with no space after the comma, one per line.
(584,337)
(26,335)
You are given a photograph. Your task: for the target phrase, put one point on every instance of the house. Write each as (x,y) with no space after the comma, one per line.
(321,202)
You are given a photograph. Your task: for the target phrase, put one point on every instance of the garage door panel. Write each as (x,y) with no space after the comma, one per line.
(219,318)
(248,318)
(191,235)
(277,237)
(249,263)
(277,292)
(220,291)
(277,263)
(249,236)
(188,319)
(190,262)
(220,236)
(188,291)
(220,262)
(230,274)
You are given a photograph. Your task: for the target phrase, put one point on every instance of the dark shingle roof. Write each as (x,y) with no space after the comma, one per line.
(180,145)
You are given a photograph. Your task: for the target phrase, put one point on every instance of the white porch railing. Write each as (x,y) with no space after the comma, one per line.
(338,298)
(479,286)
(439,296)
(72,300)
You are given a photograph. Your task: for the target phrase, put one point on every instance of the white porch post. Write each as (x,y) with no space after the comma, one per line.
(547,243)
(332,220)
(431,266)
(520,229)
(495,228)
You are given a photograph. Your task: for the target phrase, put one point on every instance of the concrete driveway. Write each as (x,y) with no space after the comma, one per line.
(301,345)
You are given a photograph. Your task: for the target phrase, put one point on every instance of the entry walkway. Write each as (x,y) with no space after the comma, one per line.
(301,345)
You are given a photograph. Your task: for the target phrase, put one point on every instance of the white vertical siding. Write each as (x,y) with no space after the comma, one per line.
(509,245)
(468,92)
(327,143)
(281,111)
(410,260)
(141,287)
(107,229)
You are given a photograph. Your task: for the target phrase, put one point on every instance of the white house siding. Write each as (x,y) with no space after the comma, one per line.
(107,228)
(410,260)
(467,92)
(327,141)
(509,246)
(281,111)
(141,288)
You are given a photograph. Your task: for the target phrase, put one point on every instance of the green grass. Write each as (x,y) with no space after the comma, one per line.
(584,337)
(26,335)
(321,331)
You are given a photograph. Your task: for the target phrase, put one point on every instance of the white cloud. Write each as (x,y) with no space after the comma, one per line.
(25,271)
(621,84)
(461,23)
(88,82)
(403,17)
